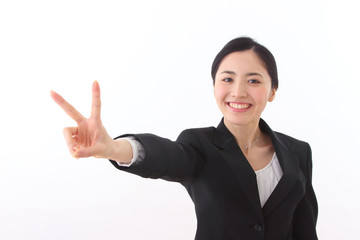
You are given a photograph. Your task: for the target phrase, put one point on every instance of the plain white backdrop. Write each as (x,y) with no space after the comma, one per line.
(152,60)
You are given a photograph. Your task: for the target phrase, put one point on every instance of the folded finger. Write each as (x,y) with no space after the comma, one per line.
(69,134)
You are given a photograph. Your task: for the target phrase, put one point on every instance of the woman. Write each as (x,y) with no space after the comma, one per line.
(246,181)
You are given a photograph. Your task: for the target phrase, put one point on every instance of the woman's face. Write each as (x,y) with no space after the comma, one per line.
(242,88)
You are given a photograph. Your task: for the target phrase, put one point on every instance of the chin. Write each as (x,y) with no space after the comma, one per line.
(235,119)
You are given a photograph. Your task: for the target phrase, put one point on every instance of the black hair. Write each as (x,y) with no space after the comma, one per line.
(243,44)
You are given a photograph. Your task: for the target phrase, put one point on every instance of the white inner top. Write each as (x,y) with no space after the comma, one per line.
(267,179)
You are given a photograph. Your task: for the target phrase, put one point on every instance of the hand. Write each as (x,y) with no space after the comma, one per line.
(89,138)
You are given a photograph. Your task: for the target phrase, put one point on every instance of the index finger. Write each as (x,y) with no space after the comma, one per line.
(96,101)
(70,110)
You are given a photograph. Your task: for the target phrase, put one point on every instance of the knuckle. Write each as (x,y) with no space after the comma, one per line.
(66,130)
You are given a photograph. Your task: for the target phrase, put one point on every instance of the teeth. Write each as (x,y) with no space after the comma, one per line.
(239,106)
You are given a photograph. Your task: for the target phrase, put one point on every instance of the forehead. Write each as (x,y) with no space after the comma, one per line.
(244,61)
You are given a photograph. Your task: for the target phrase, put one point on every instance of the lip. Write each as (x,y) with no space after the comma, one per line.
(239,106)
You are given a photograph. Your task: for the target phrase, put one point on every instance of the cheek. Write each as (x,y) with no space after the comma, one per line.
(260,96)
(219,93)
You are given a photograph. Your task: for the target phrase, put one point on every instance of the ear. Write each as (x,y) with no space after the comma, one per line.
(272,95)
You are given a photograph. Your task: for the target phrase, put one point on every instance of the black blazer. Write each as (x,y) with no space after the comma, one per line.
(223,187)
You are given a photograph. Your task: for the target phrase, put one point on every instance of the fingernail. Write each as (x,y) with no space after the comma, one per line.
(77,155)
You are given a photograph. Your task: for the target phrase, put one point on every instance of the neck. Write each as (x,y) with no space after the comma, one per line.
(245,135)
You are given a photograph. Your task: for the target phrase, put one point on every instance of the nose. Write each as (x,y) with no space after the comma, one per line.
(239,90)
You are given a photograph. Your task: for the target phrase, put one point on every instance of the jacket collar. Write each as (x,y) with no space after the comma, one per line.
(245,175)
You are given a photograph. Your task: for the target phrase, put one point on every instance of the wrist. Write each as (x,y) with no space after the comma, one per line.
(121,151)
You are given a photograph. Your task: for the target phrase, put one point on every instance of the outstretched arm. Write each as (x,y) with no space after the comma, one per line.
(89,138)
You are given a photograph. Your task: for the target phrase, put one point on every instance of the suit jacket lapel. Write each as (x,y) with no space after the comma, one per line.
(289,163)
(245,175)
(240,167)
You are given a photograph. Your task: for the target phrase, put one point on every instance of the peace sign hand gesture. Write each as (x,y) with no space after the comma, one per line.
(89,138)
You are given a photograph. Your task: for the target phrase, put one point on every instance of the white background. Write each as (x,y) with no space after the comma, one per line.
(153,59)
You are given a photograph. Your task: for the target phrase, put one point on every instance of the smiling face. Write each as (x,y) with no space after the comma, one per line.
(242,88)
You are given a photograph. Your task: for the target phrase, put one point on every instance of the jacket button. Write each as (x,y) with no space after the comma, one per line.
(258,228)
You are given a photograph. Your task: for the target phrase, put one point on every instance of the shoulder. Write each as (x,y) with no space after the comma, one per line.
(281,138)
(197,134)
(284,140)
(290,141)
(198,139)
(298,147)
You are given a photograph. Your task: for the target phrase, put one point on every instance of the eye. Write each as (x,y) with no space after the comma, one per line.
(228,80)
(254,81)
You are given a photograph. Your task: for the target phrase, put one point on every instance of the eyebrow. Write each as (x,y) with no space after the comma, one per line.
(254,74)
(247,74)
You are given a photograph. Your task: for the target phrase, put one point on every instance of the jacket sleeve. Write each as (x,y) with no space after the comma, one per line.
(305,215)
(169,160)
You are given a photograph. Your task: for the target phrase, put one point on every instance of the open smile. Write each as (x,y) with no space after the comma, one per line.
(239,107)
